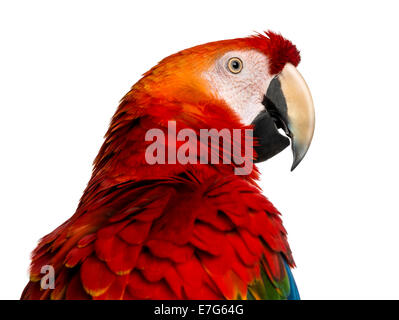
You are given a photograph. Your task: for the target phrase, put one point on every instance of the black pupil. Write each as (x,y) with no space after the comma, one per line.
(235,64)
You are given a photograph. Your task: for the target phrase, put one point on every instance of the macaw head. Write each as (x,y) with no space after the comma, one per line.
(255,77)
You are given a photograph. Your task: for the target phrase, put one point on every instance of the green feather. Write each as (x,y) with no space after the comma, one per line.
(267,289)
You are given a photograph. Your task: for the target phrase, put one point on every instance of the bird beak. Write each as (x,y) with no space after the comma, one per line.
(289,106)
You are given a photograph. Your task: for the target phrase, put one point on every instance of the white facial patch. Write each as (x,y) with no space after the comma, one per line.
(243,91)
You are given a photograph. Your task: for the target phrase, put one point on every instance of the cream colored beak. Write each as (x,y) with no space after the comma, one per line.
(289,102)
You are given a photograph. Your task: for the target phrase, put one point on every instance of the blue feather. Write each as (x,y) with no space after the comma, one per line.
(294,293)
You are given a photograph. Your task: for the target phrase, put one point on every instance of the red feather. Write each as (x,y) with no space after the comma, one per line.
(96,277)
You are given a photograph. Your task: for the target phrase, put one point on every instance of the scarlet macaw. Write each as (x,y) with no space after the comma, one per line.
(186,230)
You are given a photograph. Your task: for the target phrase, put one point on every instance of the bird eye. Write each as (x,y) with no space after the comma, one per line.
(234,65)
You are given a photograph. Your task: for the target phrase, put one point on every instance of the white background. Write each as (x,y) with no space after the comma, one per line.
(65,65)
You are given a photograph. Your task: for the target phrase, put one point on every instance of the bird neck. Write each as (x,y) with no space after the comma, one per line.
(124,154)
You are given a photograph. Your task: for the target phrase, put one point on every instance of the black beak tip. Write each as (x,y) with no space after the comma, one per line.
(299,153)
(294,165)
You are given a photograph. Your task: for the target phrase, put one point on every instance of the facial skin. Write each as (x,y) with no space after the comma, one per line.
(242,91)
